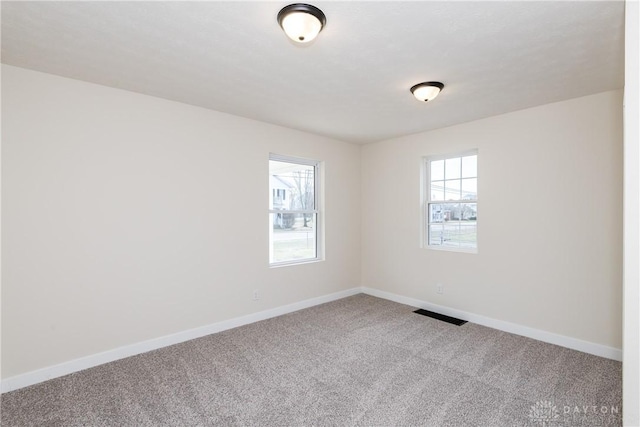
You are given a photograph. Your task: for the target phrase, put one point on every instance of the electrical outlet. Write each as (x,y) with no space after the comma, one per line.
(440,288)
(256,295)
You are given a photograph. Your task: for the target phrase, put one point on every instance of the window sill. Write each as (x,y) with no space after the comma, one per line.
(451,249)
(290,263)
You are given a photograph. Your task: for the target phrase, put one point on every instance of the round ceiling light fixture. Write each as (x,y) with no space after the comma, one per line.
(426,91)
(301,22)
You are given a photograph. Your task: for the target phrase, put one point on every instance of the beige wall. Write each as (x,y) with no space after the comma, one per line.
(127,217)
(550,212)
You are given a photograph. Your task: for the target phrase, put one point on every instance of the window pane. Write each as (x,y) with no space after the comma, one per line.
(460,234)
(293,237)
(437,170)
(453,225)
(452,168)
(452,189)
(469,211)
(437,190)
(438,234)
(470,189)
(436,213)
(470,166)
(296,183)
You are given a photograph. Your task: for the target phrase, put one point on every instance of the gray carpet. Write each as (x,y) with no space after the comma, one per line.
(358,361)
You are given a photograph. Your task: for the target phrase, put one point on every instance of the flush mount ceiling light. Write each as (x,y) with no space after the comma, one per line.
(301,22)
(426,91)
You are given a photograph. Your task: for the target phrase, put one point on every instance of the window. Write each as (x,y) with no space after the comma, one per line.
(293,210)
(451,202)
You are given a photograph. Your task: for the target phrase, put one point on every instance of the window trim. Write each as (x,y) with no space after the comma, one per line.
(317,211)
(426,201)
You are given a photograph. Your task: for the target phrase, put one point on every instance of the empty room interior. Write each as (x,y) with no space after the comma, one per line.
(337,213)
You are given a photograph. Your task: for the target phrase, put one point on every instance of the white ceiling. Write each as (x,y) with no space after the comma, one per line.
(351,83)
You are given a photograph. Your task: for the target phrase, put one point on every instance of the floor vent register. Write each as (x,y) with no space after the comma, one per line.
(441,317)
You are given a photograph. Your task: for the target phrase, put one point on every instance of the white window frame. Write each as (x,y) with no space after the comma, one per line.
(426,202)
(317,211)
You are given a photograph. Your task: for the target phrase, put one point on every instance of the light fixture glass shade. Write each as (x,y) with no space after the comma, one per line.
(301,22)
(427,91)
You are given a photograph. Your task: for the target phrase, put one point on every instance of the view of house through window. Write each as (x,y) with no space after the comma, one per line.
(293,210)
(452,201)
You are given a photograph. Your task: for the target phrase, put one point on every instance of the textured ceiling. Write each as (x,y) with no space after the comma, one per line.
(351,83)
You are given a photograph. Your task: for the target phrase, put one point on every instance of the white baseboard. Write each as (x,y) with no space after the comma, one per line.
(50,372)
(44,374)
(537,334)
